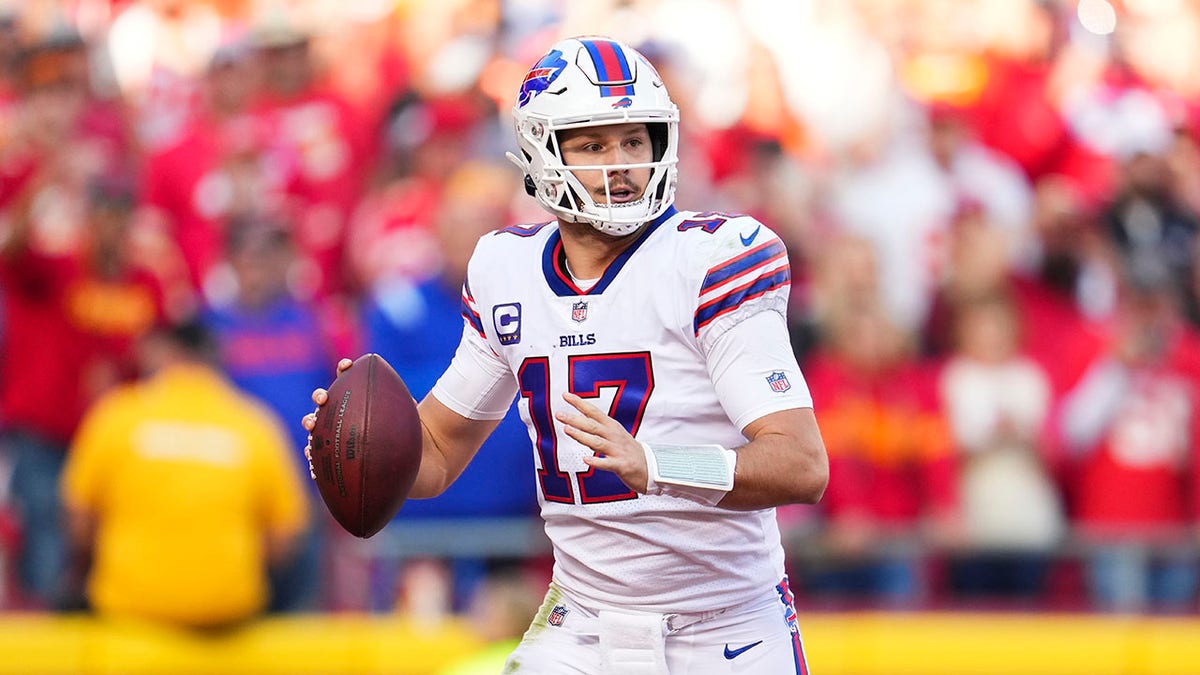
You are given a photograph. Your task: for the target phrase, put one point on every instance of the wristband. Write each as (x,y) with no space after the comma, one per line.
(700,473)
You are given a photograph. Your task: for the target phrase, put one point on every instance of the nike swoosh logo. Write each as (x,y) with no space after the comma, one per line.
(746,241)
(734,653)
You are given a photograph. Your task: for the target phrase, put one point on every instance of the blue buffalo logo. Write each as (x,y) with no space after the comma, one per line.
(540,76)
(623,103)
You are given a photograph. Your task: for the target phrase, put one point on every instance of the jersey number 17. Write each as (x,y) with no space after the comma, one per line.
(630,373)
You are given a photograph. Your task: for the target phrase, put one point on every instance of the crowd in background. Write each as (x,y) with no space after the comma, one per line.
(991,209)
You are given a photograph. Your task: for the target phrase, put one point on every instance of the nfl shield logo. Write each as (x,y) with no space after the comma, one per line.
(579,311)
(557,615)
(778,381)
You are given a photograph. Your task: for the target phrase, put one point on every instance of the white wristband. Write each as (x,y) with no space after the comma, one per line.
(700,473)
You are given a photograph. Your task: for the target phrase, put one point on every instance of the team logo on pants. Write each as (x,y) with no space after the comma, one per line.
(557,615)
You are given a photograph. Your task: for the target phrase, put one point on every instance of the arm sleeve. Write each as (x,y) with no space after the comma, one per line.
(754,370)
(477,384)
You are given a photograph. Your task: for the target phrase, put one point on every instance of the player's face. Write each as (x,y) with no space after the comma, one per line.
(610,144)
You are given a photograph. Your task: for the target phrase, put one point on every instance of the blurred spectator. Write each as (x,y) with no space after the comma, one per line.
(271,345)
(893,193)
(892,492)
(415,325)
(181,491)
(1132,426)
(1064,272)
(317,149)
(392,232)
(49,136)
(158,50)
(72,317)
(211,170)
(1149,219)
(997,401)
(977,265)
(117,298)
(983,179)
(1019,110)
(845,278)
(1183,162)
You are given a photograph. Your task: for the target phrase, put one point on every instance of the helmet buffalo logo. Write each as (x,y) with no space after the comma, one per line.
(623,103)
(540,76)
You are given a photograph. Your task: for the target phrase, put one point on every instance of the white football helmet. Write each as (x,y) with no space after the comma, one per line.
(585,82)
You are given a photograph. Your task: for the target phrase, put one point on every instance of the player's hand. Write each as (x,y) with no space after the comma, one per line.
(309,421)
(616,450)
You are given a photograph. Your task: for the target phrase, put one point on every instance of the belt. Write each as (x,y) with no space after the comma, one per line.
(671,623)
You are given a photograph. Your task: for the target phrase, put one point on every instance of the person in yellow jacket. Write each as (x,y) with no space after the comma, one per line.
(181,491)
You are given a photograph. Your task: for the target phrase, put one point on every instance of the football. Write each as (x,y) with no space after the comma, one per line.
(366,446)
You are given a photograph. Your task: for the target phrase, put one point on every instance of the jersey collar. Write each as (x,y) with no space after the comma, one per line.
(560,282)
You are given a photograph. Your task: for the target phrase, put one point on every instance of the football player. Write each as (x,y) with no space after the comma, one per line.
(649,350)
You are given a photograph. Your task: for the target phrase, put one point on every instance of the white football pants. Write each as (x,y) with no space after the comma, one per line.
(758,637)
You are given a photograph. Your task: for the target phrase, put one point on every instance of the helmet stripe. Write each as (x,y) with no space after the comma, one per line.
(612,68)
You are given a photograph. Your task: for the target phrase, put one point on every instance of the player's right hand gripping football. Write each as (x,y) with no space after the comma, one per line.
(309,421)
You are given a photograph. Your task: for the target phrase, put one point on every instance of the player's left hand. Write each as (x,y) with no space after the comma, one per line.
(616,450)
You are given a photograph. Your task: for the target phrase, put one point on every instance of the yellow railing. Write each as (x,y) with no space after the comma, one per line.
(868,643)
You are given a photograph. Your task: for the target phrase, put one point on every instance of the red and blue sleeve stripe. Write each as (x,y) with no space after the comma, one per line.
(469,313)
(756,257)
(612,68)
(732,299)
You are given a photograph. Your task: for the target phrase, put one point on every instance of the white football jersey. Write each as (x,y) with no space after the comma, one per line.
(645,344)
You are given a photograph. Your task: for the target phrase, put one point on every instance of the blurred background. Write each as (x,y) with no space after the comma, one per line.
(991,209)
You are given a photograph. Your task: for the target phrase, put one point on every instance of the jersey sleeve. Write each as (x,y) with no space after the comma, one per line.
(477,384)
(754,370)
(747,273)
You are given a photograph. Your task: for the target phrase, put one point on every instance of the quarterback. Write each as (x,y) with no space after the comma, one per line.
(648,352)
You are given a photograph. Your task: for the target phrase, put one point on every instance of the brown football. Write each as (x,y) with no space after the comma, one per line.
(366,446)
